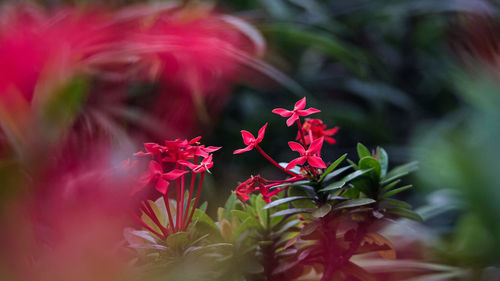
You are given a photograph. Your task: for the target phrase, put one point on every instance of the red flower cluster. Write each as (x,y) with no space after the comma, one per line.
(258,183)
(311,135)
(315,129)
(171,162)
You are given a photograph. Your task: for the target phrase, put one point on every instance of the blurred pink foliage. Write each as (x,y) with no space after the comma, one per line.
(68,201)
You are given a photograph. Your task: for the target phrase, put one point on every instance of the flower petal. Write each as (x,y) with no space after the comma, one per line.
(162,186)
(308,111)
(260,136)
(292,119)
(301,104)
(315,161)
(295,146)
(247,137)
(315,146)
(331,131)
(238,151)
(174,174)
(282,112)
(297,161)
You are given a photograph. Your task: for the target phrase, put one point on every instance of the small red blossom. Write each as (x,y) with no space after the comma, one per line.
(250,140)
(297,111)
(309,155)
(315,129)
(204,166)
(156,176)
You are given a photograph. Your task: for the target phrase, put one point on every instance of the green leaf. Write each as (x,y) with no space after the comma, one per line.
(363,151)
(249,224)
(203,207)
(284,200)
(395,203)
(354,203)
(391,185)
(369,162)
(334,186)
(291,212)
(397,190)
(400,171)
(405,213)
(177,240)
(332,167)
(263,214)
(322,211)
(384,161)
(240,214)
(336,173)
(230,204)
(354,165)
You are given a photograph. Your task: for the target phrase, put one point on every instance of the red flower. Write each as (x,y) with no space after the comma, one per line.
(315,129)
(204,166)
(308,155)
(156,176)
(245,188)
(250,140)
(297,111)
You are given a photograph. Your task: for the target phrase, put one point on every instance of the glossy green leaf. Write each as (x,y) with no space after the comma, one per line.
(400,171)
(285,200)
(248,224)
(334,186)
(362,151)
(240,214)
(291,212)
(384,161)
(322,211)
(354,203)
(397,190)
(391,185)
(405,213)
(261,212)
(332,167)
(336,173)
(391,203)
(369,162)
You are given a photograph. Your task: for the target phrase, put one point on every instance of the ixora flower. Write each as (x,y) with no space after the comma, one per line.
(179,155)
(315,129)
(297,111)
(250,140)
(310,155)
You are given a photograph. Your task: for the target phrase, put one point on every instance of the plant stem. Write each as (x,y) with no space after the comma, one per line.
(274,162)
(198,193)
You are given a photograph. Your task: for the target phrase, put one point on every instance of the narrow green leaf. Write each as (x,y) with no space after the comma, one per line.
(259,207)
(405,213)
(391,185)
(322,211)
(397,190)
(354,203)
(354,165)
(240,214)
(332,167)
(230,204)
(384,161)
(363,151)
(284,200)
(334,186)
(391,203)
(400,171)
(291,212)
(336,173)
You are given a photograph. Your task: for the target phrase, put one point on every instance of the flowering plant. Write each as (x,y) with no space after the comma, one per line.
(311,223)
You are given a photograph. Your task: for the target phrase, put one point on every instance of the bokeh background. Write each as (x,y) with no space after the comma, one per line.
(419,78)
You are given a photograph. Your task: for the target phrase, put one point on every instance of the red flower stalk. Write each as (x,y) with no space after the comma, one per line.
(315,129)
(297,111)
(250,140)
(258,183)
(180,154)
(310,155)
(253,142)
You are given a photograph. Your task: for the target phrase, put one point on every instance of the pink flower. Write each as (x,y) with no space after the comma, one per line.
(297,111)
(250,140)
(204,166)
(156,176)
(315,129)
(308,155)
